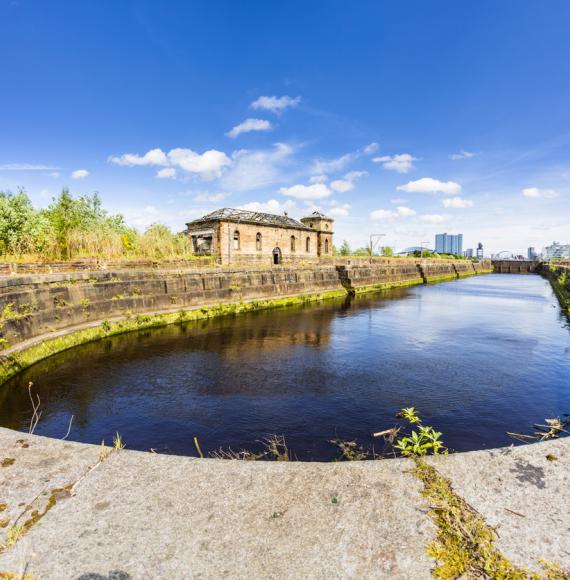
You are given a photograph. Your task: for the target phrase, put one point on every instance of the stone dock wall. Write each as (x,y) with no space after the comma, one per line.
(35,305)
(558,273)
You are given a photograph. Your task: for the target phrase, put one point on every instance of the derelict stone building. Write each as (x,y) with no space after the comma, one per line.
(238,236)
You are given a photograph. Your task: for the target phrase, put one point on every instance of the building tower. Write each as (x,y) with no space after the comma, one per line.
(323,225)
(480,251)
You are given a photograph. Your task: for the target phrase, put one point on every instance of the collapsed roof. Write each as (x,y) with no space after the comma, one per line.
(247,217)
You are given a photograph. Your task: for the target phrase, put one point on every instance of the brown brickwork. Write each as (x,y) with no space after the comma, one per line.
(240,237)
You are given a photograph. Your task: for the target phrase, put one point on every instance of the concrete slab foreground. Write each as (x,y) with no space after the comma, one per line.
(158,516)
(141,515)
(523,492)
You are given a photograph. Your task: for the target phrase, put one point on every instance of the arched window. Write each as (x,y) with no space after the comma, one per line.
(308,245)
(258,242)
(326,246)
(292,243)
(236,240)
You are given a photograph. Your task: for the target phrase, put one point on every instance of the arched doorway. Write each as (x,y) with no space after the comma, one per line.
(276,256)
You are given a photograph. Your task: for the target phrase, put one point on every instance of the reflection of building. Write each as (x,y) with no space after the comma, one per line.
(480,251)
(556,250)
(238,235)
(449,244)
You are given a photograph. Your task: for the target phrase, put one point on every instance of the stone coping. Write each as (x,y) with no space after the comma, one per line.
(143,515)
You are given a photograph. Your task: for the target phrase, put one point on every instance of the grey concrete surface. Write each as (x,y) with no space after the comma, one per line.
(522,494)
(142,515)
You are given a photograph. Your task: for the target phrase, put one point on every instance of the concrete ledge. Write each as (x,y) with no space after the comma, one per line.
(148,515)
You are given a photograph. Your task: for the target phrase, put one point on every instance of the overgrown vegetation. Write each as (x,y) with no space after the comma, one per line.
(559,277)
(274,448)
(78,227)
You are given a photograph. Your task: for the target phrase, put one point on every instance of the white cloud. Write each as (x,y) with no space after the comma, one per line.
(79,174)
(54,174)
(405,211)
(333,165)
(398,200)
(205,197)
(387,214)
(166,173)
(339,210)
(457,202)
(347,183)
(342,185)
(249,125)
(370,148)
(253,169)
(307,192)
(354,175)
(318,179)
(152,157)
(26,167)
(402,163)
(534,192)
(271,206)
(324,166)
(462,155)
(433,218)
(275,104)
(430,185)
(208,165)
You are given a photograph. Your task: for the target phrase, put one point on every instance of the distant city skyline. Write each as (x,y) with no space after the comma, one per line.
(401,118)
(449,244)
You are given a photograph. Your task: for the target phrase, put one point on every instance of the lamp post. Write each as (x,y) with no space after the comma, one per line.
(374,239)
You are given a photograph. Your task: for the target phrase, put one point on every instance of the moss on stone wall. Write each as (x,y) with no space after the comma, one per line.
(559,277)
(389,286)
(18,361)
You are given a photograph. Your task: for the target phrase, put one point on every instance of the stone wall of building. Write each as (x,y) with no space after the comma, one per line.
(271,238)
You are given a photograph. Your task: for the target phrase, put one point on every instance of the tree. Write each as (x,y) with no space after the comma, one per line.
(17,217)
(344,249)
(387,251)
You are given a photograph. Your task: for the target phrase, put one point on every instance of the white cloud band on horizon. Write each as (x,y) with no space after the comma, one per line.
(536,192)
(27,167)
(387,214)
(433,218)
(457,202)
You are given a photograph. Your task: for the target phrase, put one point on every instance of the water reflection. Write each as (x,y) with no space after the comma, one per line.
(478,357)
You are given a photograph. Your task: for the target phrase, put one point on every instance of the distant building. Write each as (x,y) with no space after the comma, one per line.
(413,249)
(556,250)
(449,244)
(468,253)
(237,235)
(531,254)
(479,251)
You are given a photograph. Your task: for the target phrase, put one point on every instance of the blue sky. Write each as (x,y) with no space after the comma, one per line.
(404,118)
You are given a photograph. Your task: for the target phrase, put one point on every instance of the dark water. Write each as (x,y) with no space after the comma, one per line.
(477,357)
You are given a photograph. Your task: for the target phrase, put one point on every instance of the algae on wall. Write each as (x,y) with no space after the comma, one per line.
(559,277)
